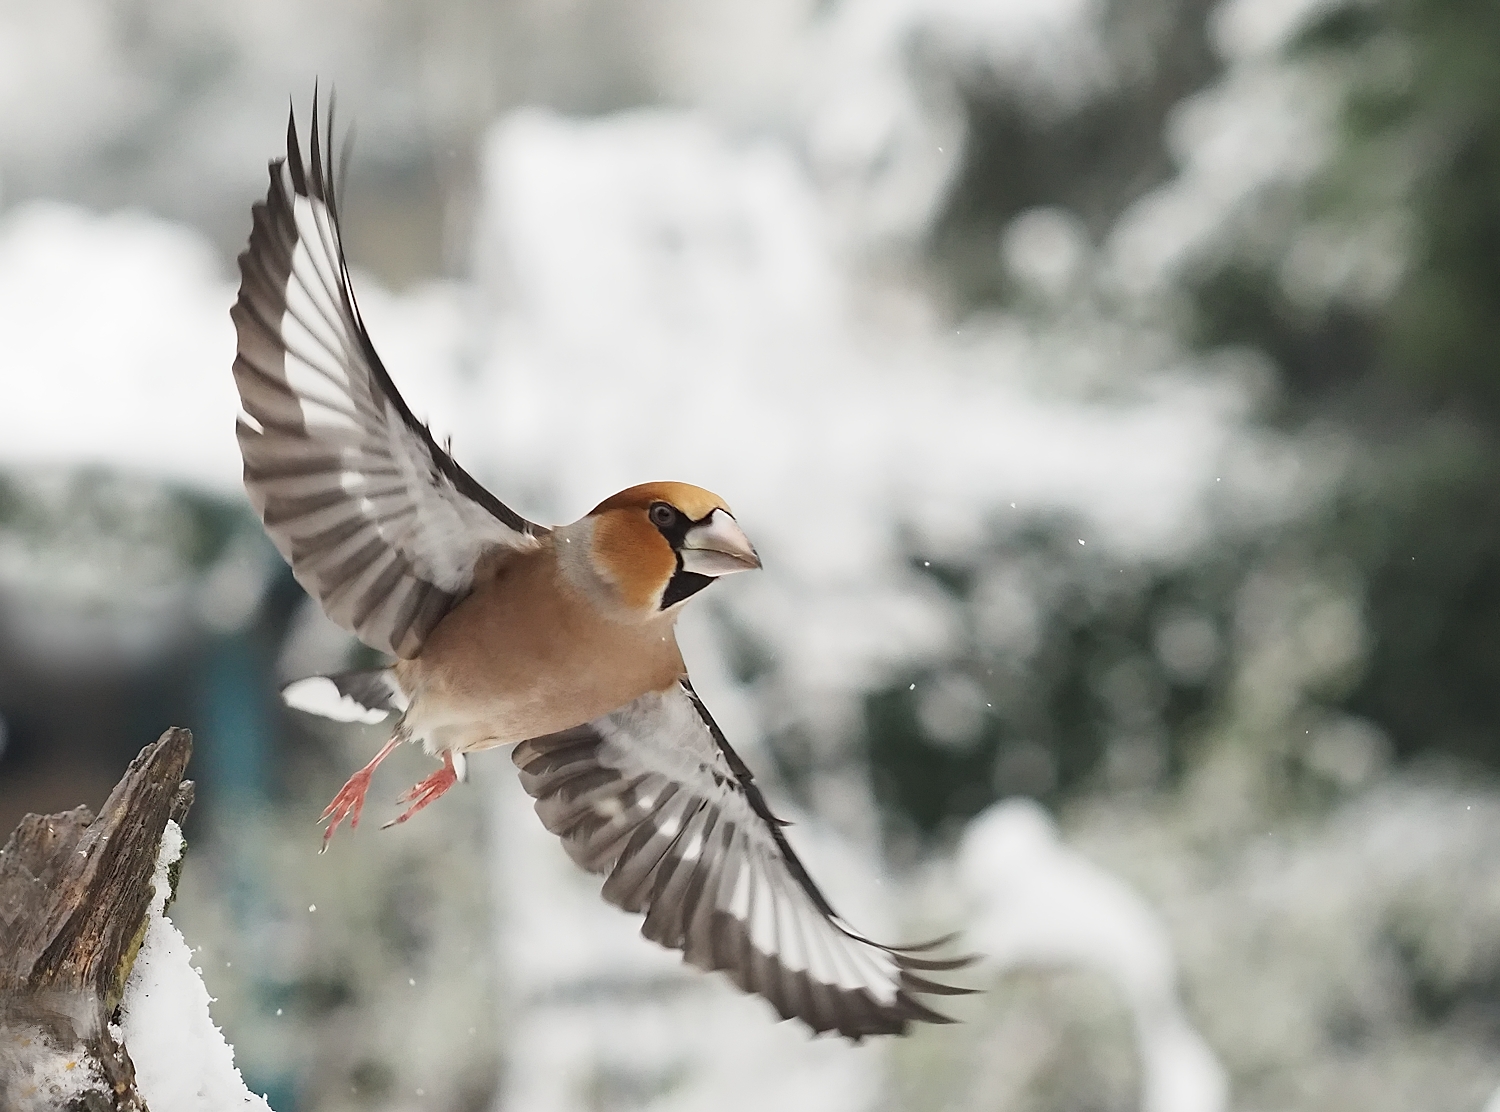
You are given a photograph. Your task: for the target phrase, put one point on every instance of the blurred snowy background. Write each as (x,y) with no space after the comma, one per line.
(1110,386)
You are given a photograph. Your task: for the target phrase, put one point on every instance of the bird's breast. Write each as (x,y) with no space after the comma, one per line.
(525,655)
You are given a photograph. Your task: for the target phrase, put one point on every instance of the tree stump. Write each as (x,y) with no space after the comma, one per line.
(74,894)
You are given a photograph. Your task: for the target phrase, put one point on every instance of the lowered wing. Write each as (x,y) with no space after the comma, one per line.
(653,797)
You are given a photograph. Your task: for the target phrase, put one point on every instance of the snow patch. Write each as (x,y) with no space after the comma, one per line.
(182,1063)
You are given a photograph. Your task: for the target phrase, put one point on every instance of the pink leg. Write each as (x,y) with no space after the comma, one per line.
(420,794)
(350,800)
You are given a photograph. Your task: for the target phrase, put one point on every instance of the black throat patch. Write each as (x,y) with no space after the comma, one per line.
(683,584)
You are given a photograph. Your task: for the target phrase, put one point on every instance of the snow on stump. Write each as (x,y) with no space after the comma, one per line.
(76,898)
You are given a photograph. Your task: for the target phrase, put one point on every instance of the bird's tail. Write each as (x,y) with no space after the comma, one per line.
(370,695)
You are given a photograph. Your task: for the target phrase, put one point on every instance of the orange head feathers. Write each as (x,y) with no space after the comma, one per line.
(695,502)
(659,544)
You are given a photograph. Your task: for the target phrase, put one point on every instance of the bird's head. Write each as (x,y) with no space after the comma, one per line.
(658,544)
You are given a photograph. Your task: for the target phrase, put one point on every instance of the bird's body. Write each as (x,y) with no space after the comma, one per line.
(529,652)
(559,641)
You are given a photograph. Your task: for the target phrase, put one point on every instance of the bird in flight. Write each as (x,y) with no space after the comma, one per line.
(559,641)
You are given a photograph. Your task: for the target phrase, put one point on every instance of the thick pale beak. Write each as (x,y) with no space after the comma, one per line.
(718,547)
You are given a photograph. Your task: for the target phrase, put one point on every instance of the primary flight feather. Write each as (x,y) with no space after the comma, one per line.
(559,641)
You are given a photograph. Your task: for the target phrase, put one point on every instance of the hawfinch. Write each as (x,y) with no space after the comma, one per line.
(558,641)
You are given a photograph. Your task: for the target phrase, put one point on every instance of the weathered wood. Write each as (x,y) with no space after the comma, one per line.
(74,892)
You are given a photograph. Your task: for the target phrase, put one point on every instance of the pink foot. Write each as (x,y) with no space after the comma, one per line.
(350,800)
(422,793)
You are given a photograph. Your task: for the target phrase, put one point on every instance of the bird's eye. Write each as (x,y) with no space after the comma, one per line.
(662,515)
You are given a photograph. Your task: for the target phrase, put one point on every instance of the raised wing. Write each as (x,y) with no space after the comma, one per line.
(652,796)
(380,525)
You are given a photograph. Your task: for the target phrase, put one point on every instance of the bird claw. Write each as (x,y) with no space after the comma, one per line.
(349,802)
(423,792)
